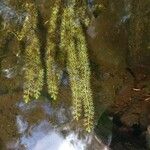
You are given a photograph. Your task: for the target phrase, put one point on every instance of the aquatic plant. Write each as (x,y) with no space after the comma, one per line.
(84,71)
(68,44)
(74,47)
(77,64)
(33,74)
(52,78)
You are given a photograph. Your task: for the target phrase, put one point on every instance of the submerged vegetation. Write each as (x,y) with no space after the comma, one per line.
(33,75)
(67,51)
(70,44)
(77,64)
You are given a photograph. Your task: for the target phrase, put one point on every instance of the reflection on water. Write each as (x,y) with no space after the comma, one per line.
(9,73)
(21,124)
(47,135)
(42,136)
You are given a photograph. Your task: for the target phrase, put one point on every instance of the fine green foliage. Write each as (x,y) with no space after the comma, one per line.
(82,12)
(68,43)
(77,64)
(84,71)
(33,74)
(52,78)
(73,44)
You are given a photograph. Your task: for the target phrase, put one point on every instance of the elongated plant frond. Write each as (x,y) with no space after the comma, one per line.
(73,44)
(52,77)
(33,75)
(68,43)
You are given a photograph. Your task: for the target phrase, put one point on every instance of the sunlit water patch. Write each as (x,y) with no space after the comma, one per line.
(43,137)
(47,135)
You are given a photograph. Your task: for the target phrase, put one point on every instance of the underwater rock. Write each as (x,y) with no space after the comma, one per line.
(49,131)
